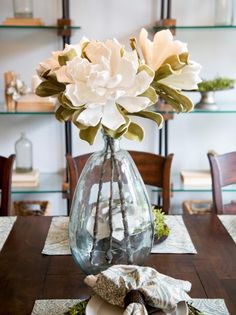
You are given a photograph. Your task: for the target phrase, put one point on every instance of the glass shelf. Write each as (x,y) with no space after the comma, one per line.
(4,111)
(49,27)
(226,108)
(195,27)
(177,186)
(48,183)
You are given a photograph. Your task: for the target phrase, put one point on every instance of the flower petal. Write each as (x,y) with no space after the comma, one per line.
(134,104)
(96,50)
(146,47)
(141,84)
(71,95)
(90,116)
(164,47)
(112,118)
(187,79)
(62,76)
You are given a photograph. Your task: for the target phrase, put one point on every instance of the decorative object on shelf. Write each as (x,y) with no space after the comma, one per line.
(99,85)
(34,103)
(23,14)
(31,207)
(161,230)
(23,22)
(9,77)
(224,12)
(14,89)
(165,16)
(28,179)
(24,154)
(196,178)
(197,206)
(207,89)
(23,9)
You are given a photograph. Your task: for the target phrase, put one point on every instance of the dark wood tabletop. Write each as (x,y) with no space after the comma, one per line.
(27,275)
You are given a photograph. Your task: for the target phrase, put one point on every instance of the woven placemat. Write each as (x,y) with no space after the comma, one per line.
(6,224)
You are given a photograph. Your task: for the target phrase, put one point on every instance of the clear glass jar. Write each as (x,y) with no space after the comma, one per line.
(223,12)
(24,151)
(23,8)
(111,217)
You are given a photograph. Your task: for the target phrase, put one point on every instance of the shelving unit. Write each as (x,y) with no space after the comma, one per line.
(49,182)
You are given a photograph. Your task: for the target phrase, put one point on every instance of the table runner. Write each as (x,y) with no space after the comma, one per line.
(178,241)
(229,222)
(6,224)
(58,307)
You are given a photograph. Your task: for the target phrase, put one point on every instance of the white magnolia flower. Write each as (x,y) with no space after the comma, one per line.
(162,47)
(106,77)
(52,62)
(186,79)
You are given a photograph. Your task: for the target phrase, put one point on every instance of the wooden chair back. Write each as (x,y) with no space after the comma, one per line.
(223,173)
(6,166)
(154,169)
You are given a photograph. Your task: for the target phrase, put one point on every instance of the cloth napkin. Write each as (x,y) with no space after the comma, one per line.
(158,290)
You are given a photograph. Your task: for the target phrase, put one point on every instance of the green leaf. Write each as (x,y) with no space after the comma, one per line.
(71,54)
(75,117)
(176,99)
(147,69)
(134,132)
(156,117)
(48,88)
(89,133)
(151,94)
(172,65)
(64,101)
(63,114)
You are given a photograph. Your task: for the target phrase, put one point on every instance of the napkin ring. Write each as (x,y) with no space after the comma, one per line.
(134,296)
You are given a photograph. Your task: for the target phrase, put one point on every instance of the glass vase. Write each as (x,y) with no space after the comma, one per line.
(24,151)
(223,12)
(111,217)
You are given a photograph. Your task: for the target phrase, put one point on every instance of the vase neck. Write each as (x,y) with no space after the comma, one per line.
(109,141)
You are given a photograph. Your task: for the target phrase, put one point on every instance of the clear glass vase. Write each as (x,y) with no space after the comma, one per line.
(24,151)
(111,217)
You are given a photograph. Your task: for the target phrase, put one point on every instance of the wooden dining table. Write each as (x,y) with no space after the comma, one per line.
(26,275)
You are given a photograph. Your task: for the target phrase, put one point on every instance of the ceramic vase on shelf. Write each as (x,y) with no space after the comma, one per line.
(111,217)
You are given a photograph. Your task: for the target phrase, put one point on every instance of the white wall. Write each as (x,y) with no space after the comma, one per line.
(191,135)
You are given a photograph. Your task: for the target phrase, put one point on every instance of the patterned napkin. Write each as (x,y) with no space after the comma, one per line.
(158,290)
(178,241)
(229,222)
(6,224)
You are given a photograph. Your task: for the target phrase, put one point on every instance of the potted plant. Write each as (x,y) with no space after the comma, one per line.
(207,89)
(161,230)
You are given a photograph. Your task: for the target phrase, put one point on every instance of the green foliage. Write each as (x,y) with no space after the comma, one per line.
(160,227)
(219,83)
(78,309)
(193,311)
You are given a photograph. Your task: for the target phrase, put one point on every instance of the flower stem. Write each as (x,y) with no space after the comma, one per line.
(109,251)
(95,227)
(122,202)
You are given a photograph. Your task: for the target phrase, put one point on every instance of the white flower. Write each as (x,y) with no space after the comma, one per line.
(52,64)
(186,79)
(106,77)
(162,47)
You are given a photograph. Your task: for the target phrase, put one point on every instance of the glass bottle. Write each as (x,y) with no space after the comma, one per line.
(111,217)
(23,9)
(223,12)
(23,150)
